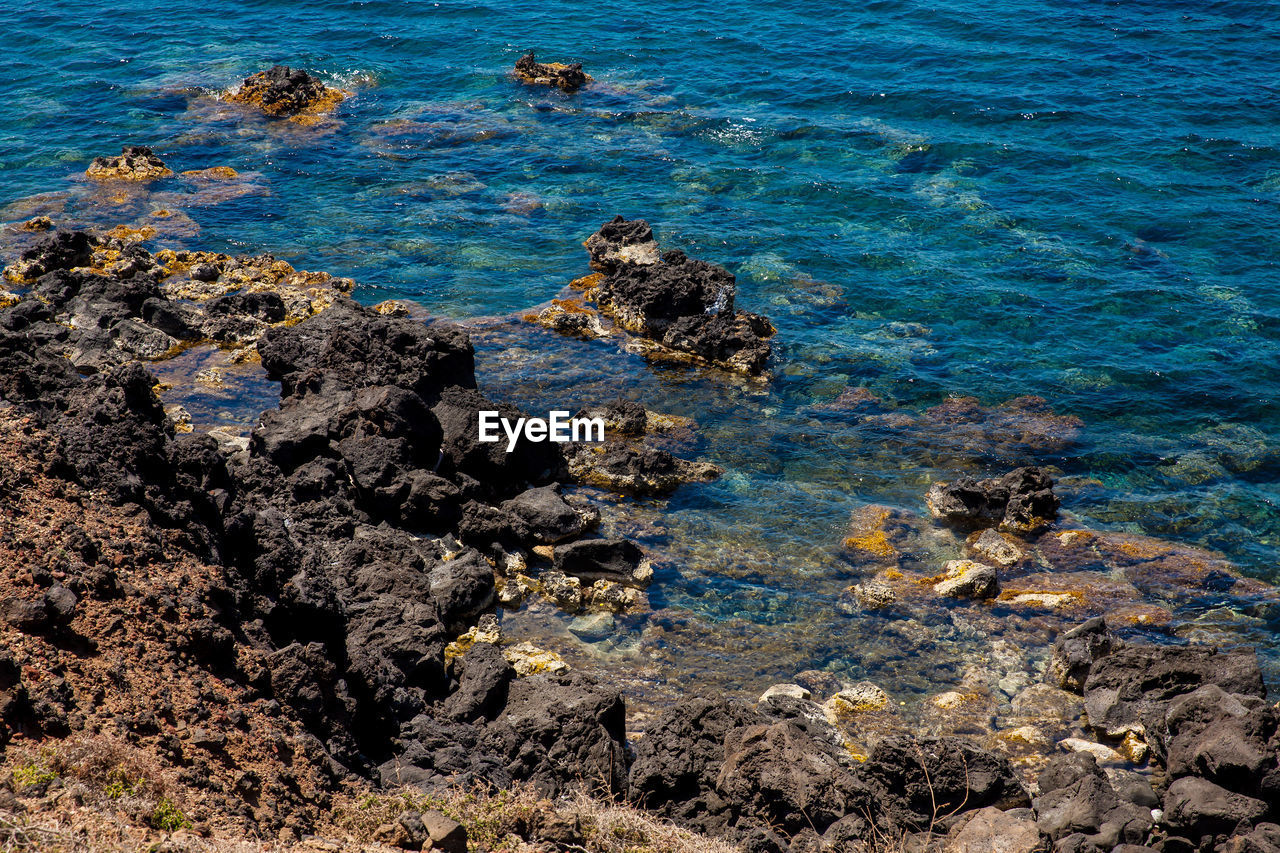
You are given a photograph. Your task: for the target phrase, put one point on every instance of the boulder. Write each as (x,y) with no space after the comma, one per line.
(922,779)
(990,830)
(561,732)
(1021,500)
(1075,652)
(566,78)
(485,676)
(1130,689)
(1228,739)
(548,517)
(1076,799)
(1197,807)
(677,763)
(622,241)
(62,250)
(635,470)
(135,163)
(683,304)
(967,579)
(781,776)
(618,560)
(1264,838)
(285,92)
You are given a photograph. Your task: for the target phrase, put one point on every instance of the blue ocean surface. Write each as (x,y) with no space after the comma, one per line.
(1078,201)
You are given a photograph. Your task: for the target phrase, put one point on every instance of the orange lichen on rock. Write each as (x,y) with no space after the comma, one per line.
(569,317)
(131,234)
(565,77)
(283,92)
(214,173)
(135,163)
(868,535)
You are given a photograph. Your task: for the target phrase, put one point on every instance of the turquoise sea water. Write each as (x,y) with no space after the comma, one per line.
(1079,201)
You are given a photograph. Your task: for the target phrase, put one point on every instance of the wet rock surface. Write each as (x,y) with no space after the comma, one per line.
(1021,500)
(679,309)
(284,92)
(102,301)
(135,163)
(566,78)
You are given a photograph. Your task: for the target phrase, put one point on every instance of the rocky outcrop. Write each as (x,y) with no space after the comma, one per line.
(1197,712)
(135,163)
(766,776)
(63,250)
(1077,802)
(340,527)
(105,301)
(1020,501)
(566,78)
(635,469)
(1074,654)
(679,309)
(284,92)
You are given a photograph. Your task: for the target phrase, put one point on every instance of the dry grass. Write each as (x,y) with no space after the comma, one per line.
(99,794)
(515,820)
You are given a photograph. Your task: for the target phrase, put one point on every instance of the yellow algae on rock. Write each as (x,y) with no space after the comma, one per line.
(527,659)
(484,633)
(214,173)
(392,308)
(135,163)
(132,234)
(1051,600)
(862,698)
(1025,735)
(967,579)
(1134,748)
(293,94)
(39,223)
(868,536)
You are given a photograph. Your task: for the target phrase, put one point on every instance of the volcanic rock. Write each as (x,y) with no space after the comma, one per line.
(135,163)
(285,92)
(566,78)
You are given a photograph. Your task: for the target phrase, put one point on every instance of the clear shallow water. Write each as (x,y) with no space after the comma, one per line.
(1077,201)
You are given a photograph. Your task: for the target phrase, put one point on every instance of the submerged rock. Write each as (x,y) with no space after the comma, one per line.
(967,579)
(566,78)
(135,163)
(285,92)
(637,470)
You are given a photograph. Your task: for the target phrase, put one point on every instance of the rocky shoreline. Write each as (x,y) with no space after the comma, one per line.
(325,591)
